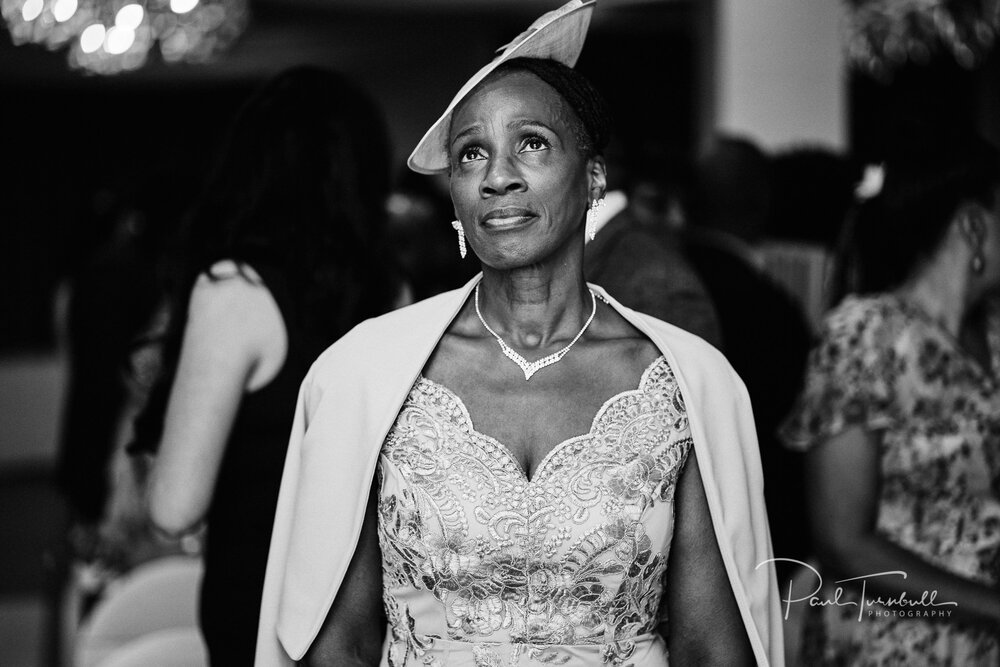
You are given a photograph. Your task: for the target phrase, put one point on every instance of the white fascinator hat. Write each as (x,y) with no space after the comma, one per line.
(557,35)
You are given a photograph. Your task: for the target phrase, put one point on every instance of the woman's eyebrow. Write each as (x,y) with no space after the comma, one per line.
(471,131)
(527,122)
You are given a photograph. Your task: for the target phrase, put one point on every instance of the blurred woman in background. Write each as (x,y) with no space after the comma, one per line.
(282,256)
(901,420)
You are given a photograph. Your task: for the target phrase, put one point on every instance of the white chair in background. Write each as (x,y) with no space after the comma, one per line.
(805,270)
(175,647)
(159,595)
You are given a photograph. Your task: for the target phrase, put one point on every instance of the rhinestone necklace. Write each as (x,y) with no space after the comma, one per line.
(531,367)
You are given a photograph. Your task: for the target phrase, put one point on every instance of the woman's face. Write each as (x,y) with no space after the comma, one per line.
(519,183)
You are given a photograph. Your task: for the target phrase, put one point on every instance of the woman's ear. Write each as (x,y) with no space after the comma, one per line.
(598,177)
(971,221)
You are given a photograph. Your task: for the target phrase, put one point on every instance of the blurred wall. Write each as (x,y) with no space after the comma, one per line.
(778,71)
(31,392)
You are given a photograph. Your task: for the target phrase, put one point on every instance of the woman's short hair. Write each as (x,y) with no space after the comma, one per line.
(906,221)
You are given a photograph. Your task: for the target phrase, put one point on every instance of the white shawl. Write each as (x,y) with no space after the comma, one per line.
(348,402)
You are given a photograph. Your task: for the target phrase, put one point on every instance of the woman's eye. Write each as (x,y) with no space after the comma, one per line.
(470,154)
(535,144)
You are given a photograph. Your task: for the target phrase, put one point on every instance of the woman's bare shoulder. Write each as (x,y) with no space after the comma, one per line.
(230,285)
(230,303)
(226,270)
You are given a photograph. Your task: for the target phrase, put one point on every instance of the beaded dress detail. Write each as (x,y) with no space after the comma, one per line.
(484,567)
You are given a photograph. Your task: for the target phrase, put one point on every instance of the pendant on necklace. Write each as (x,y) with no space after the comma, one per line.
(529,368)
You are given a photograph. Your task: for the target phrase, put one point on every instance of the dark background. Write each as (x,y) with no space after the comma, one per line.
(76,144)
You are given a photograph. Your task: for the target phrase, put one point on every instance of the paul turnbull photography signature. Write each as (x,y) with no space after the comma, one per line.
(844,596)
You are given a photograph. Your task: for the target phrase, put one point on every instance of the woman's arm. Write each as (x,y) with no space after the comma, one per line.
(842,482)
(354,629)
(234,334)
(705,627)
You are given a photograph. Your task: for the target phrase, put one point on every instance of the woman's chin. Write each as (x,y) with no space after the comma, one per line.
(506,263)
(529,246)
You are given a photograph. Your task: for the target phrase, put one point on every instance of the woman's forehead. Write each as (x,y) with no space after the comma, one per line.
(511,96)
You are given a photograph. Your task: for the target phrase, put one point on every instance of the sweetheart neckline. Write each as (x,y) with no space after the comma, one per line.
(509,455)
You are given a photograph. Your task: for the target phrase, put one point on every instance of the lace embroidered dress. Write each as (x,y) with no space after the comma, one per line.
(484,567)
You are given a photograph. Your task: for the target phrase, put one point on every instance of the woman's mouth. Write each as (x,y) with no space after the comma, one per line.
(508,216)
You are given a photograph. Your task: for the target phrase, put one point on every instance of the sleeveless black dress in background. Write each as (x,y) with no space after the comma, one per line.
(246,495)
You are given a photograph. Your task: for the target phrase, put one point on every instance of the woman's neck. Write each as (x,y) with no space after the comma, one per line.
(534,306)
(942,292)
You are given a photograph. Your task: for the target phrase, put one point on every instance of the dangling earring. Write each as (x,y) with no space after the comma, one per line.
(592,217)
(978,264)
(457,226)
(974,230)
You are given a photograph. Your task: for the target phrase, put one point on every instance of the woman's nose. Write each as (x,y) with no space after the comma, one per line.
(501,177)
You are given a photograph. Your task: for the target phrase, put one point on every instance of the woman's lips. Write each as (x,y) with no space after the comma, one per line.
(507,217)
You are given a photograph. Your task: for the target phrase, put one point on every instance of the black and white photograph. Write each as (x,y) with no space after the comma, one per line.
(455,333)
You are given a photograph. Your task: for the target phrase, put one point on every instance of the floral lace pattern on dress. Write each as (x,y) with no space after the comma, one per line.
(478,557)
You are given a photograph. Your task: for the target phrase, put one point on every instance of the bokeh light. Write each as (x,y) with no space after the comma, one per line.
(32,9)
(119,40)
(92,38)
(63,10)
(129,16)
(182,6)
(111,36)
